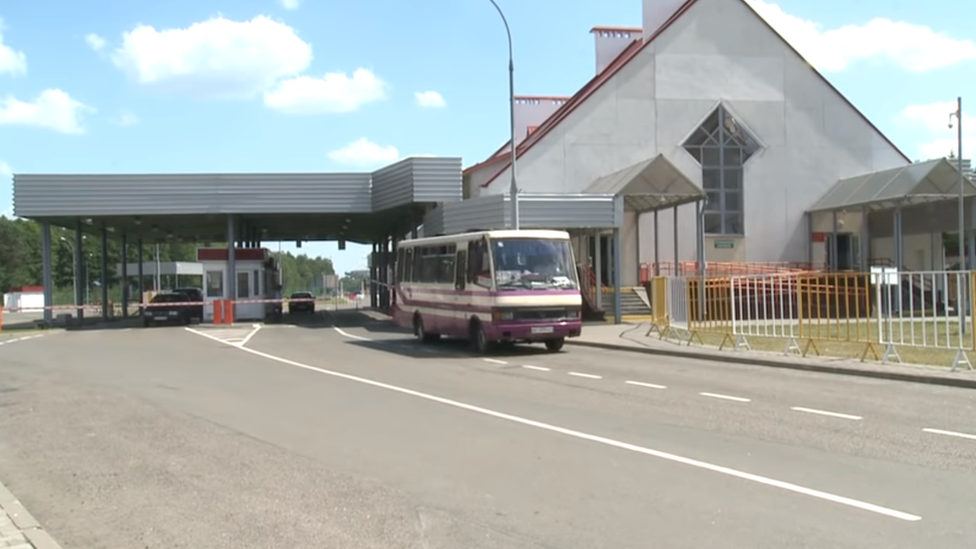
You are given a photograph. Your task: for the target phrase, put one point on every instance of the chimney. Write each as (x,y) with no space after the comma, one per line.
(610,42)
(657,12)
(531,111)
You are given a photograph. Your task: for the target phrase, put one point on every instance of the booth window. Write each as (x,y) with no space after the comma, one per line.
(243,287)
(256,276)
(722,146)
(215,284)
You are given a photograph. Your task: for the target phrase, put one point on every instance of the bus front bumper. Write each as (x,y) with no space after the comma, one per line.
(533,331)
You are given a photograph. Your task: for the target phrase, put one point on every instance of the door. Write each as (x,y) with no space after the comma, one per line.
(847,252)
(462,298)
(213,282)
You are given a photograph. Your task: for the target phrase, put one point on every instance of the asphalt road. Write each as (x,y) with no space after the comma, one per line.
(359,437)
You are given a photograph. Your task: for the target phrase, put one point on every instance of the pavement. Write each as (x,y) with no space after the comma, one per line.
(342,431)
(632,338)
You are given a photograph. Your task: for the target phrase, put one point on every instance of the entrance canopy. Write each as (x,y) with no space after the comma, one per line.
(919,183)
(650,185)
(356,207)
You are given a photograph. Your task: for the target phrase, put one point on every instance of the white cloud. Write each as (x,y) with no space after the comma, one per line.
(289,4)
(5,170)
(334,93)
(95,42)
(932,124)
(217,58)
(915,48)
(11,61)
(430,100)
(363,153)
(126,118)
(52,109)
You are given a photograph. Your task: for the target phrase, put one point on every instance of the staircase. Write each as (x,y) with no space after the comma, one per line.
(631,303)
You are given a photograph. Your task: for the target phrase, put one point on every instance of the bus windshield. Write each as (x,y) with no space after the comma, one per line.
(533,264)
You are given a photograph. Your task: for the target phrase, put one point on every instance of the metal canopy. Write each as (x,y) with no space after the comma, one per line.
(356,207)
(919,183)
(650,185)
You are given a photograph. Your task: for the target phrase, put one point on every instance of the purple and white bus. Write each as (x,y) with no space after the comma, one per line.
(489,287)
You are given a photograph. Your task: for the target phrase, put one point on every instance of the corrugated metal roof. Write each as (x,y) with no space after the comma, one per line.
(929,181)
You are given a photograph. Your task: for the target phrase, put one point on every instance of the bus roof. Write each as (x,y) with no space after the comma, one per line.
(464,237)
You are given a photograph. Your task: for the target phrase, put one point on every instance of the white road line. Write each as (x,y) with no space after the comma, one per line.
(588,376)
(350,336)
(538,368)
(601,440)
(494,361)
(725,397)
(257,327)
(950,433)
(648,385)
(825,413)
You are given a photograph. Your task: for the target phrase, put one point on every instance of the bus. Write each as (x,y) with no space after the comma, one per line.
(489,287)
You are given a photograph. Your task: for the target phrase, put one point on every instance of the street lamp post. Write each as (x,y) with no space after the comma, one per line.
(963,265)
(513,190)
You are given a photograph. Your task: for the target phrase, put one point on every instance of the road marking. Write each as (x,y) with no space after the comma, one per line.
(350,336)
(230,336)
(494,361)
(825,413)
(950,433)
(648,385)
(589,376)
(19,339)
(256,327)
(797,489)
(725,397)
(538,368)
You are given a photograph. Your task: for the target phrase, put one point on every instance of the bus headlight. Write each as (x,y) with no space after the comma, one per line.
(500,316)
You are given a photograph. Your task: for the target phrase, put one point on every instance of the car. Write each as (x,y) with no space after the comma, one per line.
(306,303)
(168,308)
(196,296)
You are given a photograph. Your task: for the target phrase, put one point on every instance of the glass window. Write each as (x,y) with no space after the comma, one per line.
(215,284)
(256,277)
(721,145)
(479,264)
(533,264)
(243,285)
(713,223)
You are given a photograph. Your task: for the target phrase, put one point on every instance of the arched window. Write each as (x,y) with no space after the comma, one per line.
(722,146)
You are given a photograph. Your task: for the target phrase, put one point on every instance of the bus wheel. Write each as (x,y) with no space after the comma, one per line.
(555,345)
(479,340)
(421,332)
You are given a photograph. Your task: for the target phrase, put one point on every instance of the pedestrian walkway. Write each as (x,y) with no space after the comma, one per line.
(632,338)
(18,529)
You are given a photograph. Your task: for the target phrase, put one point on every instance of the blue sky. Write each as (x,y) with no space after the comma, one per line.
(310,85)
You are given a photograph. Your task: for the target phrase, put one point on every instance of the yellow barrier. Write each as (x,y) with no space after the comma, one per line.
(879,312)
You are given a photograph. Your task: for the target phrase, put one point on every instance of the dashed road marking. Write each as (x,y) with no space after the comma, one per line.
(537,368)
(588,376)
(758,479)
(950,433)
(725,397)
(495,361)
(825,413)
(648,385)
(19,339)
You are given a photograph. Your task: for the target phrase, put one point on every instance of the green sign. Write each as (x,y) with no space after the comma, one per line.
(725,244)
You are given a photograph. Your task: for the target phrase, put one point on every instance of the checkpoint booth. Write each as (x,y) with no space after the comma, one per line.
(256,276)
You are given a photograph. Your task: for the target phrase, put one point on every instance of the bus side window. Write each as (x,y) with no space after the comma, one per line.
(461,269)
(475,260)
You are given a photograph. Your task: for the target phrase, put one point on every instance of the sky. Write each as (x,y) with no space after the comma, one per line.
(114,86)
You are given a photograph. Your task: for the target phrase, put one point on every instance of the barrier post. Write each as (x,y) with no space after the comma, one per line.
(218,311)
(228,311)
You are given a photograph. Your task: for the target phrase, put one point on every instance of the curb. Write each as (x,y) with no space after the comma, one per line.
(25,522)
(758,361)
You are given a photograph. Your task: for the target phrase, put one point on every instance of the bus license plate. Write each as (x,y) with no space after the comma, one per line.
(542,330)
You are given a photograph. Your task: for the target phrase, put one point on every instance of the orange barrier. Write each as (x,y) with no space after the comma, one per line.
(218,311)
(228,311)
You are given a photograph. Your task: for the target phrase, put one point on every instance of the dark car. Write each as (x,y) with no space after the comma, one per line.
(196,296)
(305,303)
(169,308)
